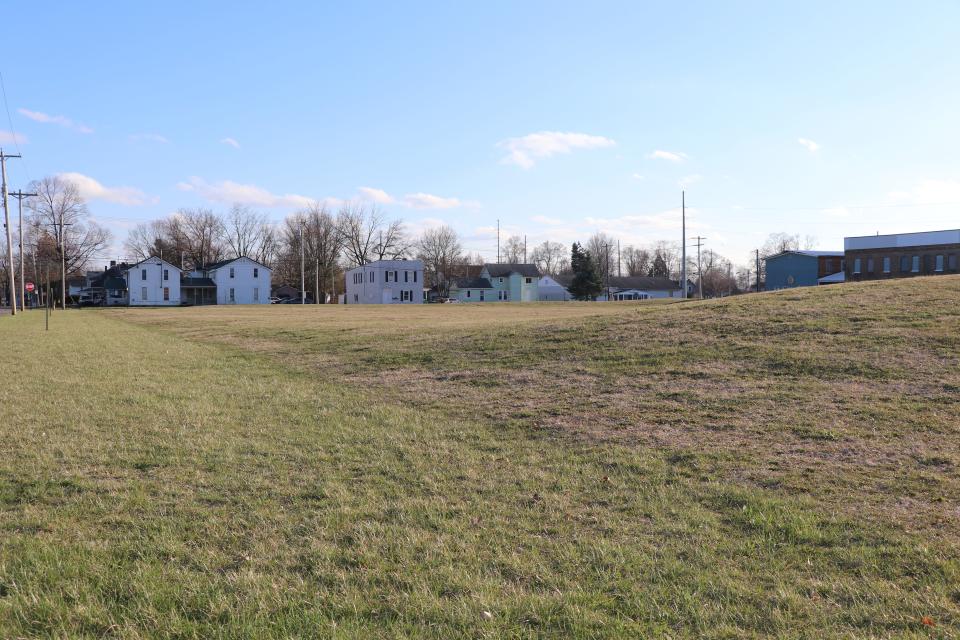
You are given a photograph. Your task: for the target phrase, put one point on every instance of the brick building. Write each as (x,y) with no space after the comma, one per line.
(901,255)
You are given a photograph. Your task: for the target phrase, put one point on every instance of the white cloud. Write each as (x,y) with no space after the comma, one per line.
(91,189)
(430,201)
(63,121)
(809,145)
(8,137)
(229,192)
(230,141)
(150,137)
(638,176)
(376,195)
(672,156)
(524,151)
(686,181)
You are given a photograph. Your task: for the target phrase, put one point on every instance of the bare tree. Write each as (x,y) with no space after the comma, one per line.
(367,236)
(636,261)
(442,254)
(603,251)
(200,232)
(151,239)
(513,250)
(551,257)
(59,209)
(245,229)
(322,241)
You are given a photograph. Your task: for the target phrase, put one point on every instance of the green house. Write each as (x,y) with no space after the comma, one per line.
(499,283)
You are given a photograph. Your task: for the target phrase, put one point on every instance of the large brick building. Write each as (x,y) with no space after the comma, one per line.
(901,255)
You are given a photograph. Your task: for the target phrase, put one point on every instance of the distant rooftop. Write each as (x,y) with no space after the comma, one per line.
(896,240)
(808,252)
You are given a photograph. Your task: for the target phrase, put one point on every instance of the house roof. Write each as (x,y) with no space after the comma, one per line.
(136,264)
(197,283)
(223,263)
(503,270)
(810,254)
(473,283)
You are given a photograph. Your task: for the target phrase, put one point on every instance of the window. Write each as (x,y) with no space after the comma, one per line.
(856,266)
(396,276)
(143,294)
(886,264)
(468,293)
(406,276)
(904,264)
(370,278)
(529,280)
(166,294)
(869,265)
(414,276)
(387,274)
(916,264)
(501,280)
(232,296)
(952,262)
(231,272)
(356,298)
(256,273)
(143,274)
(481,296)
(939,266)
(256,294)
(166,274)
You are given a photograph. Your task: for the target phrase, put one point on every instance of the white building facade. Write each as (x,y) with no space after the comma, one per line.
(240,281)
(385,282)
(153,282)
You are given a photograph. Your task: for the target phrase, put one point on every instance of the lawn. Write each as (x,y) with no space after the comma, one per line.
(783,464)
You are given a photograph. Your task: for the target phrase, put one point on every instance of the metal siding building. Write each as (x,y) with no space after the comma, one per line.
(801,268)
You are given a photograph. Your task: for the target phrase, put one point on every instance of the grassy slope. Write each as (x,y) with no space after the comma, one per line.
(778,464)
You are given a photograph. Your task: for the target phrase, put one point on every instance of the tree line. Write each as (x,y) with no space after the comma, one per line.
(62,238)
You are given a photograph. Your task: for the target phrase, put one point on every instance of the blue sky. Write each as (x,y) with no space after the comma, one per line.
(558,119)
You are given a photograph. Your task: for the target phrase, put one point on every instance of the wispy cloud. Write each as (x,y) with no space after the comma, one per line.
(231,142)
(547,220)
(91,189)
(671,219)
(672,156)
(9,137)
(525,151)
(227,191)
(376,195)
(149,137)
(63,121)
(809,145)
(430,201)
(638,176)
(413,200)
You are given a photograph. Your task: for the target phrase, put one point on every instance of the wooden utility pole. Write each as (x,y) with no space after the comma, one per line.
(699,244)
(683,253)
(316,291)
(303,283)
(12,285)
(758,270)
(20,195)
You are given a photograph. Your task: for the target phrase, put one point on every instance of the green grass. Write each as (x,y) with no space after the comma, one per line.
(775,465)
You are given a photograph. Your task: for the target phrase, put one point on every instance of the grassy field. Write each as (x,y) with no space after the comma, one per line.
(780,465)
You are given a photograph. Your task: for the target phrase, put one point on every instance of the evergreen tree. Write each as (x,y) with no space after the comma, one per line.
(660,268)
(586,283)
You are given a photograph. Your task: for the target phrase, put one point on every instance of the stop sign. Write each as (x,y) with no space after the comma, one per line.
(29,287)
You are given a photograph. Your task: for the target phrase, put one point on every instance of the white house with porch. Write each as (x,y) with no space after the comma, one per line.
(385,282)
(153,282)
(240,280)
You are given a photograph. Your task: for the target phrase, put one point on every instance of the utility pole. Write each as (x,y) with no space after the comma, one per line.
(700,240)
(303,283)
(683,253)
(20,195)
(758,270)
(606,269)
(316,293)
(6,223)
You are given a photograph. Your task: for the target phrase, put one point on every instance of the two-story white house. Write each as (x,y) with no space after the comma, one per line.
(153,282)
(240,280)
(385,282)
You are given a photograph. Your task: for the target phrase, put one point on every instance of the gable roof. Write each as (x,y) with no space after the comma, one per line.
(473,283)
(223,263)
(137,264)
(503,270)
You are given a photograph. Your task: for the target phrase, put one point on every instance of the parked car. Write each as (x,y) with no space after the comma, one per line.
(276,300)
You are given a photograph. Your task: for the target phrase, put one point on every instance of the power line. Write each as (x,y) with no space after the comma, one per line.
(11,284)
(13,131)
(20,195)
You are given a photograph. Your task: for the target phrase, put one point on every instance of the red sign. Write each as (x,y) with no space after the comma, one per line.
(28,287)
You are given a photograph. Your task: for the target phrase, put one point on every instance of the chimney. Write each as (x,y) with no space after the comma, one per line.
(113,263)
